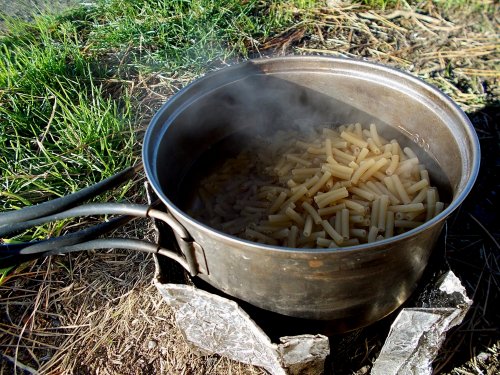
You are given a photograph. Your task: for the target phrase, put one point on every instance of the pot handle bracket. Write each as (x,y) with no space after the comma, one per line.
(195,256)
(192,251)
(192,258)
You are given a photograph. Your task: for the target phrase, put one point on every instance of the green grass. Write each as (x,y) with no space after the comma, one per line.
(178,35)
(66,115)
(381,4)
(58,129)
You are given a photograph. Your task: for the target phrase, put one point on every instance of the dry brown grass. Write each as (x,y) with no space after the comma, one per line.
(98,312)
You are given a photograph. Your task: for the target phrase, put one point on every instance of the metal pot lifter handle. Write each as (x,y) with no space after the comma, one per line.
(31,250)
(11,254)
(68,201)
(28,217)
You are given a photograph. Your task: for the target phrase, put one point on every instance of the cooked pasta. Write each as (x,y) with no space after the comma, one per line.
(331,188)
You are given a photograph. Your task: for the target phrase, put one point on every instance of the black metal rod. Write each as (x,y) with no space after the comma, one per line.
(68,201)
(122,243)
(12,254)
(70,239)
(105,243)
(85,210)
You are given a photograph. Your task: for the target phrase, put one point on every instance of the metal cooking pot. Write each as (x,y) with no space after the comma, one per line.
(351,287)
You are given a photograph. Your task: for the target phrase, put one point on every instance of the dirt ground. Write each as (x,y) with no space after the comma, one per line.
(99,313)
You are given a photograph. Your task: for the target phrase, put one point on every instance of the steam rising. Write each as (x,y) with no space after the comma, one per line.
(246,103)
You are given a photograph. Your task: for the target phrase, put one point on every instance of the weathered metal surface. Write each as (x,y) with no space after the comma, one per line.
(350,287)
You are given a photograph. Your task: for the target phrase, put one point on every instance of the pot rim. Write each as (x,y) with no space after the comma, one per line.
(455,111)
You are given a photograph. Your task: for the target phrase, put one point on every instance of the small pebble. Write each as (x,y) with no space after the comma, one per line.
(483,357)
(152,344)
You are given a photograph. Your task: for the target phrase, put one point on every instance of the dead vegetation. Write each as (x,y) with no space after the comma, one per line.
(97,312)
